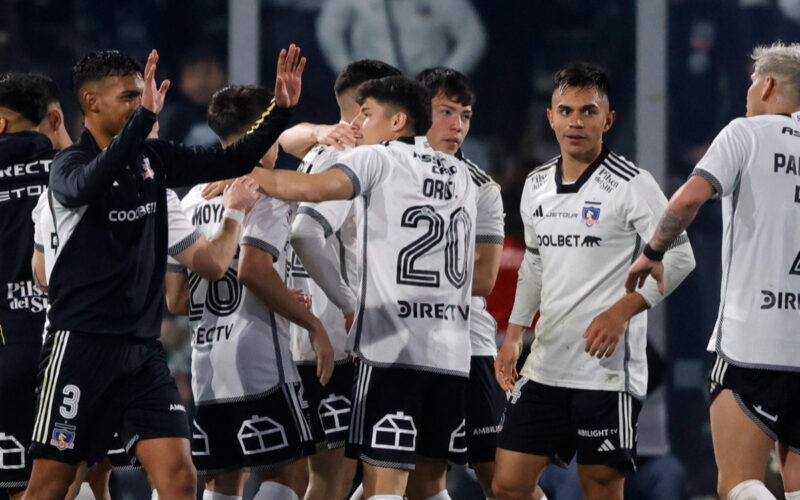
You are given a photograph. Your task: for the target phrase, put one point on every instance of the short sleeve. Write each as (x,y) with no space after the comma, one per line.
(366,167)
(267,226)
(182,234)
(490,215)
(722,164)
(36,215)
(331,215)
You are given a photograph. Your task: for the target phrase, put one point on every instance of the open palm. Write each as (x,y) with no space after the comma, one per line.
(153,96)
(289,78)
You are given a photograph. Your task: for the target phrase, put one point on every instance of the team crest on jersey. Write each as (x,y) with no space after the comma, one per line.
(63,437)
(590,216)
(147,170)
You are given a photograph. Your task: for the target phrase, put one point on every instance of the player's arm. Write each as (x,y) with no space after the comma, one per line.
(210,258)
(176,284)
(298,140)
(191,165)
(489,239)
(310,230)
(257,273)
(332,184)
(526,304)
(487,265)
(38,270)
(682,209)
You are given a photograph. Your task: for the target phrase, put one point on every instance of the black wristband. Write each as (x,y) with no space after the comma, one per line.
(652,254)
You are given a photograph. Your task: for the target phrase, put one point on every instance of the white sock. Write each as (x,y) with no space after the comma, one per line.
(359,493)
(270,490)
(793,495)
(213,495)
(442,495)
(154,495)
(385,497)
(752,489)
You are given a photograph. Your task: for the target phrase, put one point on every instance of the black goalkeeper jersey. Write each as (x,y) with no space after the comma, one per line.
(25,159)
(107,248)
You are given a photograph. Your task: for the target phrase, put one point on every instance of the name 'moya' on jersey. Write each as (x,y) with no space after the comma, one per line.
(581,238)
(417,237)
(754,167)
(239,348)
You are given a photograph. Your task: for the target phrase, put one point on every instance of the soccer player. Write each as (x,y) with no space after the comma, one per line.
(752,166)
(412,320)
(250,411)
(585,214)
(25,159)
(324,263)
(103,369)
(451,112)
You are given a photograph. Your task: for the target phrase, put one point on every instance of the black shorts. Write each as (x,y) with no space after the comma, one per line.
(557,422)
(771,398)
(91,386)
(19,364)
(330,405)
(266,432)
(484,403)
(402,416)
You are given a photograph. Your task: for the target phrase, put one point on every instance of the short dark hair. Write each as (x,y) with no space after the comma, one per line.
(455,85)
(102,64)
(404,93)
(234,109)
(25,94)
(52,91)
(583,75)
(361,71)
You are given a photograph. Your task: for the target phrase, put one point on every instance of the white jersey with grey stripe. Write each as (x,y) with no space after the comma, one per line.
(581,238)
(754,167)
(181,234)
(239,348)
(417,237)
(489,229)
(337,221)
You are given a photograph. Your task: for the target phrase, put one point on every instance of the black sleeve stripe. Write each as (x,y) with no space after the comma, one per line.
(38,247)
(621,166)
(544,166)
(498,239)
(534,251)
(183,244)
(175,268)
(622,160)
(353,178)
(705,174)
(326,226)
(261,245)
(616,172)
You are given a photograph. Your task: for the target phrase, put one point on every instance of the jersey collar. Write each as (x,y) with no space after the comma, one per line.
(585,176)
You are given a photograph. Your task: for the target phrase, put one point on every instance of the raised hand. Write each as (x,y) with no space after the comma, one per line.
(241,194)
(153,96)
(289,77)
(338,136)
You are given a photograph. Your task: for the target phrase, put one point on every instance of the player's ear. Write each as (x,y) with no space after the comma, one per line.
(612,115)
(399,121)
(769,87)
(550,118)
(89,102)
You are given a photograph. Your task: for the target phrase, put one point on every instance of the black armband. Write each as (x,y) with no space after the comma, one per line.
(652,254)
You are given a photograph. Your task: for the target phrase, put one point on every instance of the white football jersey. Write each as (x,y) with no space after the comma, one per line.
(338,221)
(489,229)
(180,231)
(239,348)
(754,166)
(417,237)
(581,239)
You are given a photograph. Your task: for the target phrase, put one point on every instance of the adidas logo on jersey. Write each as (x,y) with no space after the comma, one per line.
(538,212)
(606,446)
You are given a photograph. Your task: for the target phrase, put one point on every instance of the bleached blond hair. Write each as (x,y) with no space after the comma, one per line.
(779,60)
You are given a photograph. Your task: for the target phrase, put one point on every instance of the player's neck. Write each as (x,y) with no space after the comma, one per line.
(572,167)
(101,137)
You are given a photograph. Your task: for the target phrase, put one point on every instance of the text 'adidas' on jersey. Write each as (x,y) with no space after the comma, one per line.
(417,236)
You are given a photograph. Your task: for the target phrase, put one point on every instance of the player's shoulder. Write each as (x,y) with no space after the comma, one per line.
(319,158)
(544,168)
(193,198)
(618,167)
(479,176)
